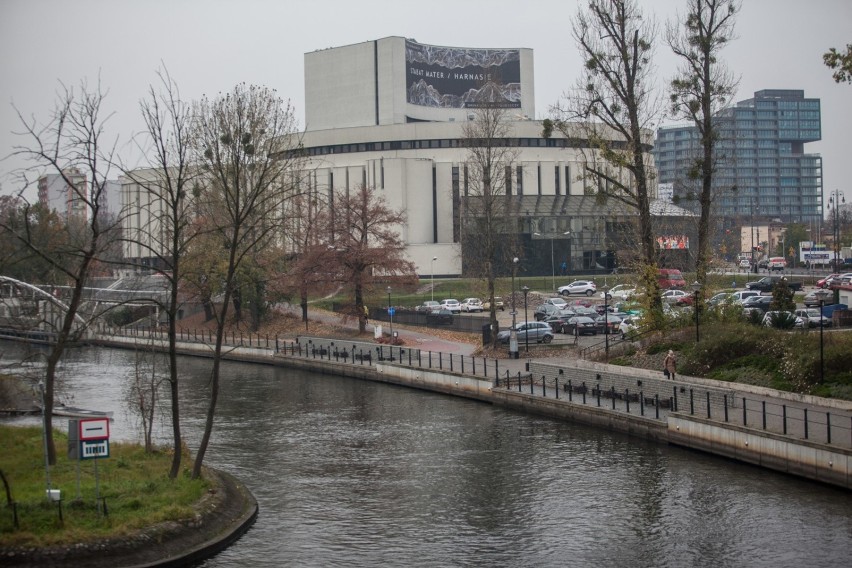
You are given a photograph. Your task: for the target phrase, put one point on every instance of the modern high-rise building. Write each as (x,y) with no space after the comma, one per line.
(763,171)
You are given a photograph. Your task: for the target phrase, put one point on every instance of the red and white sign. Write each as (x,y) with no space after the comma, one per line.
(94,429)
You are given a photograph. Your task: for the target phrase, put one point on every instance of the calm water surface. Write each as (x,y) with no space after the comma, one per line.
(352,473)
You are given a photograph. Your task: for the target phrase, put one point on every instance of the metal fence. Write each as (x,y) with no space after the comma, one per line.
(770,414)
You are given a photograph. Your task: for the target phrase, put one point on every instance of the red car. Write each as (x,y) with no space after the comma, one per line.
(826,282)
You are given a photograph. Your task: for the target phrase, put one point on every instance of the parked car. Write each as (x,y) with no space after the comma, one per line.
(558,302)
(537,331)
(557,321)
(544,311)
(451,305)
(777,263)
(628,325)
(582,325)
(439,317)
(745,263)
(843,279)
(767,283)
(826,282)
(756,303)
(586,287)
(608,324)
(782,319)
(584,311)
(677,297)
(619,292)
(741,295)
(471,305)
(812,317)
(428,306)
(670,278)
(498,304)
(811,300)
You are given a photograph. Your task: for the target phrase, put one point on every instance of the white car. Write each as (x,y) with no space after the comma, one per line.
(620,292)
(586,287)
(628,324)
(813,318)
(451,305)
(558,302)
(471,305)
(677,297)
(745,263)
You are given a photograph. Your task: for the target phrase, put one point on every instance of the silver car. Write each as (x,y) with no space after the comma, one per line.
(537,331)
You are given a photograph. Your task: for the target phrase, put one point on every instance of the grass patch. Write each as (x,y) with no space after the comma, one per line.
(135,485)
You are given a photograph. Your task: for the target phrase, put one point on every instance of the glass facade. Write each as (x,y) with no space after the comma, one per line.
(760,153)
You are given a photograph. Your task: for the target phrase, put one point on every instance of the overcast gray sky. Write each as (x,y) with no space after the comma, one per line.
(210,45)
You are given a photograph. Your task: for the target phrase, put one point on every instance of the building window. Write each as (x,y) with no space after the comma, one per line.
(520,180)
(508,177)
(556,180)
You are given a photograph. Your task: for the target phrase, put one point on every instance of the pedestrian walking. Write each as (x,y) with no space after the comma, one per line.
(670,365)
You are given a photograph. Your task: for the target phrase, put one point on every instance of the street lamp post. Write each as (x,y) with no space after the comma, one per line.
(696,288)
(837,197)
(390,314)
(821,295)
(606,320)
(570,243)
(513,333)
(434,258)
(552,263)
(526,291)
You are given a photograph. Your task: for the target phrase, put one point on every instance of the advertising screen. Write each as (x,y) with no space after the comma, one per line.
(673,242)
(454,77)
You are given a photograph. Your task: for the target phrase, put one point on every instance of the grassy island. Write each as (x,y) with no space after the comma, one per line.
(133,485)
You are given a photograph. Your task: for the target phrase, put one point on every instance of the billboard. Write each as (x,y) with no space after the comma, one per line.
(456,77)
(673,242)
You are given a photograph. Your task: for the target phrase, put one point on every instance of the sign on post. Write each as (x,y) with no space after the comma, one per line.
(94,449)
(94,429)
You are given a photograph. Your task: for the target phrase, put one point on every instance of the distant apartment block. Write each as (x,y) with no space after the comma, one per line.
(763,170)
(64,194)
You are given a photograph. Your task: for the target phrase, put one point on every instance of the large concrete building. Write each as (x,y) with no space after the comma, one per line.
(391,114)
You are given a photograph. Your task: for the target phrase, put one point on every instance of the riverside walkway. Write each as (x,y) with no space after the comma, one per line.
(798,434)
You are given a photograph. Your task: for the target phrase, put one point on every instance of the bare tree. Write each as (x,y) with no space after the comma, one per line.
(367,243)
(614,107)
(246,143)
(487,208)
(71,140)
(313,266)
(142,393)
(702,86)
(167,193)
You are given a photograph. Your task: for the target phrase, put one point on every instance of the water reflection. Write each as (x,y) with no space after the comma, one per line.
(352,473)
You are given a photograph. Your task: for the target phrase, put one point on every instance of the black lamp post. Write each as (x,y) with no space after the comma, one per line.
(526,291)
(834,201)
(606,320)
(513,334)
(390,314)
(432,276)
(696,288)
(821,295)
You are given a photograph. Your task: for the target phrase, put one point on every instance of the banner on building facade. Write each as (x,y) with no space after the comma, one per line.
(456,77)
(673,242)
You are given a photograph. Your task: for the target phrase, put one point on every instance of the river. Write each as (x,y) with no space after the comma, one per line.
(354,473)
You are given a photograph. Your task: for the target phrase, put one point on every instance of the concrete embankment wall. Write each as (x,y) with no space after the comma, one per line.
(803,458)
(796,457)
